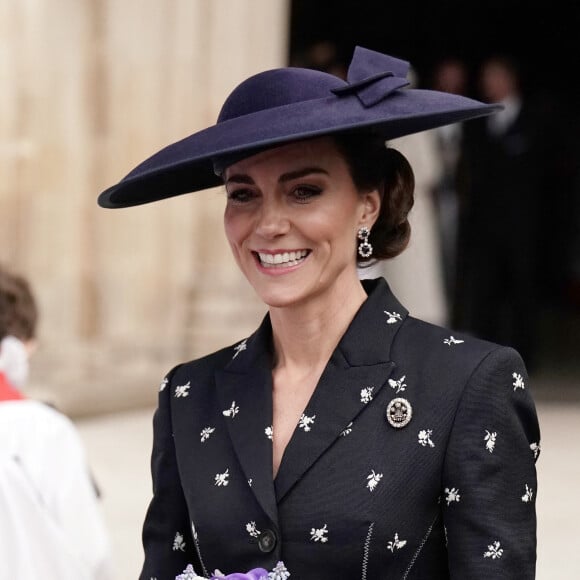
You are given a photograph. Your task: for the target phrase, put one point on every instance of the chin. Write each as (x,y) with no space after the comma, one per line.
(279,291)
(282,298)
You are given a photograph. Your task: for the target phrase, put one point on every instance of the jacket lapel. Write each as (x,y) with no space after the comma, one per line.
(336,402)
(357,371)
(245,389)
(354,376)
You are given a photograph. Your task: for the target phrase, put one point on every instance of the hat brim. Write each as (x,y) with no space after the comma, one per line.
(187,165)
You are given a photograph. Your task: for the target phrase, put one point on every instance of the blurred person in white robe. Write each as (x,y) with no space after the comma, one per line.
(50,521)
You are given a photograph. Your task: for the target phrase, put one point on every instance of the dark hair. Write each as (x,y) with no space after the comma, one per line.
(18,311)
(373,165)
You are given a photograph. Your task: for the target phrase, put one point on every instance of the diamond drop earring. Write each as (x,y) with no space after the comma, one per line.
(365,249)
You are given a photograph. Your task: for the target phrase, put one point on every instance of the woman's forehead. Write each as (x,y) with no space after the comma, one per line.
(321,150)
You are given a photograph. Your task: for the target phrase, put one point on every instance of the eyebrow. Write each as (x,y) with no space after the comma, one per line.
(243,178)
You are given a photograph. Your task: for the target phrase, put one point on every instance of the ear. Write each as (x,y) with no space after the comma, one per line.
(371,208)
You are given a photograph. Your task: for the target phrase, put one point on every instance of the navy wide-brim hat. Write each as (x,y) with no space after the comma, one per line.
(289,104)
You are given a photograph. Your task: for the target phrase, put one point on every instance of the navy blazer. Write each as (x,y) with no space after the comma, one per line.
(451,494)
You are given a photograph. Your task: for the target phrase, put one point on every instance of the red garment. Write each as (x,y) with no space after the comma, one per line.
(7,391)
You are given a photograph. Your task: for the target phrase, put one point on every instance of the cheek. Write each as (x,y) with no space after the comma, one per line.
(235,231)
(235,227)
(339,225)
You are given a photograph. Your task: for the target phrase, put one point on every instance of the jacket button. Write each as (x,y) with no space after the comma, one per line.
(267,541)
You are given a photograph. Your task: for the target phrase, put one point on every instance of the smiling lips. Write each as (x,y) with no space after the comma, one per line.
(282,259)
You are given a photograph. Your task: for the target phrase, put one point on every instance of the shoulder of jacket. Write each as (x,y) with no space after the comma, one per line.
(441,351)
(442,364)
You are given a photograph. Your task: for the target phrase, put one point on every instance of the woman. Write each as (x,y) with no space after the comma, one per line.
(343,437)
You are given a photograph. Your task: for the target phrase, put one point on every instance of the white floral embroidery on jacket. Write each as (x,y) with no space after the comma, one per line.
(178,542)
(182,390)
(392,317)
(518,381)
(399,384)
(205,433)
(494,551)
(252,529)
(452,495)
(366,395)
(346,430)
(373,480)
(221,479)
(396,544)
(529,495)
(232,411)
(490,440)
(319,534)
(425,438)
(240,347)
(306,422)
(452,340)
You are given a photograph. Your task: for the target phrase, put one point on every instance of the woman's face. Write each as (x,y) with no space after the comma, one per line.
(292,218)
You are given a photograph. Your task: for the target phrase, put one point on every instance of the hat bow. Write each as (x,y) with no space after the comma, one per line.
(373,76)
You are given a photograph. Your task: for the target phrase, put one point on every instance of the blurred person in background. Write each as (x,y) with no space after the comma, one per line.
(323,56)
(499,219)
(573,270)
(50,521)
(344,437)
(450,76)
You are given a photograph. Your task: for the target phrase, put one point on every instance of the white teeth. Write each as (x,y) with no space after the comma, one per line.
(285,259)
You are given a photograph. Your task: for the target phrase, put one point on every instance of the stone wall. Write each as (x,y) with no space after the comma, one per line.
(89,89)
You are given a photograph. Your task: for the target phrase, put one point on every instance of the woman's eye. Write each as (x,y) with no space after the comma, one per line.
(305,193)
(240,195)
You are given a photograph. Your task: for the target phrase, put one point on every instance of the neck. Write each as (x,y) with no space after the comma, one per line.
(306,335)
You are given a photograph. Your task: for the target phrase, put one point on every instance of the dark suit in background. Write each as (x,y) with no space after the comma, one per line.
(499,230)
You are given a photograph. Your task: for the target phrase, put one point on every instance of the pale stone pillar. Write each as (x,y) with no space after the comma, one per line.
(89,89)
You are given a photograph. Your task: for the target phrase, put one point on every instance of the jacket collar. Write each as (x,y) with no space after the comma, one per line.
(247,380)
(380,315)
(361,360)
(369,337)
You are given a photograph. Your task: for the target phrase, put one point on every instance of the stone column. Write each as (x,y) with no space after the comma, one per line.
(89,89)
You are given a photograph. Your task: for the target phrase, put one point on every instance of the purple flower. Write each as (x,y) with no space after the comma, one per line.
(254,574)
(278,573)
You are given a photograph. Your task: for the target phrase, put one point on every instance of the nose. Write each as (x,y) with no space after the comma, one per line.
(273,220)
